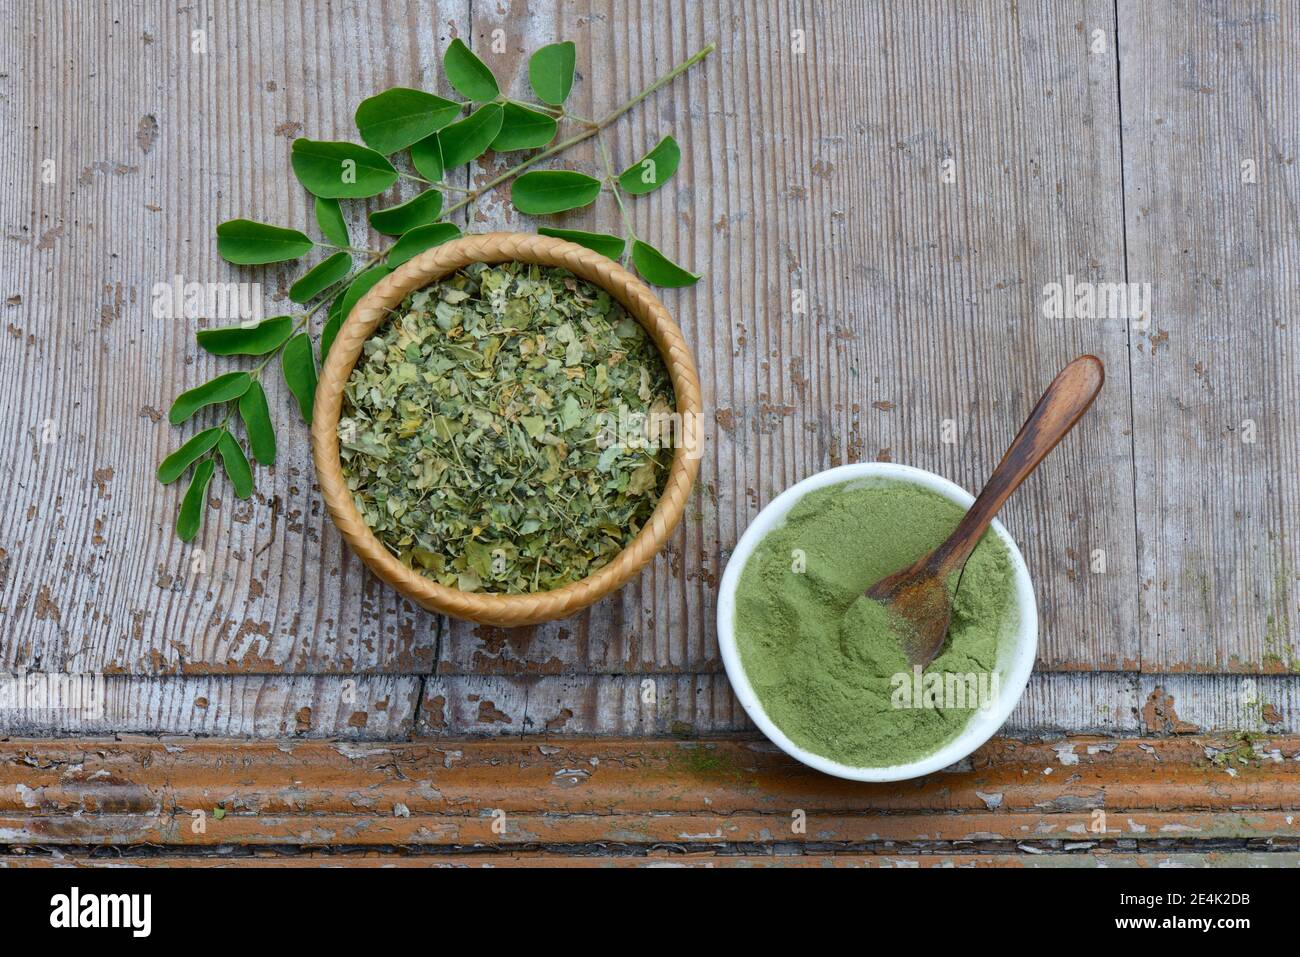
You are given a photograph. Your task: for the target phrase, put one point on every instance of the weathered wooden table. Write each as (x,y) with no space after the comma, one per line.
(882,197)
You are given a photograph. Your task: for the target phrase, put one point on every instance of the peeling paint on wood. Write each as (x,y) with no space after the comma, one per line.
(1163,796)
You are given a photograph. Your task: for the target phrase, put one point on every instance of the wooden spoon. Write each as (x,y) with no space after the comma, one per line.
(918,594)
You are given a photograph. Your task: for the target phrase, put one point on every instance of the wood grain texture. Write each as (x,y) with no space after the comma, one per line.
(725,859)
(1207,88)
(921,303)
(152,146)
(253,706)
(685,706)
(576,797)
(914,288)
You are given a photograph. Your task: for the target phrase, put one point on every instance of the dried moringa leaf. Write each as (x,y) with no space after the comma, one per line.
(498,431)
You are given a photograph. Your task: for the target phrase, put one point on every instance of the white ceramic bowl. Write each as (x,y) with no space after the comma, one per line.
(1015,657)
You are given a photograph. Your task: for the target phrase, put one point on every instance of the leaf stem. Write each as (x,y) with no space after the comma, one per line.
(586,134)
(351,249)
(558,112)
(440,187)
(612,181)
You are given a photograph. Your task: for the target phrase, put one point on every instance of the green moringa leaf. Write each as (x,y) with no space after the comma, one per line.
(603,243)
(550,72)
(420,210)
(190,516)
(469,139)
(300,373)
(174,466)
(652,170)
(426,157)
(341,170)
(221,389)
(418,240)
(329,217)
(523,129)
(246,243)
(257,423)
(362,285)
(258,340)
(468,74)
(553,191)
(320,277)
(333,322)
(236,465)
(393,120)
(658,268)
(342,306)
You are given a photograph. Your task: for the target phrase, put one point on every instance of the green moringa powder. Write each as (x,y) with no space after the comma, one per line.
(827,664)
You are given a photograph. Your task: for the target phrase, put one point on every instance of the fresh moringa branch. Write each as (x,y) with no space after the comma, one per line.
(436,136)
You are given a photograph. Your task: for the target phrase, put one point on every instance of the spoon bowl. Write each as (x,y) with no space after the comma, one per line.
(919,597)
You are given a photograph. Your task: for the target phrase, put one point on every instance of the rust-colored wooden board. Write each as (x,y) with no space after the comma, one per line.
(676,860)
(1077,796)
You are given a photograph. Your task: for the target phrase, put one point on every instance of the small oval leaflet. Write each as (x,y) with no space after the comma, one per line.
(550,72)
(470,138)
(523,129)
(658,268)
(418,240)
(652,170)
(329,217)
(174,466)
(235,463)
(255,415)
(221,389)
(603,243)
(190,517)
(320,277)
(340,170)
(248,243)
(426,157)
(468,74)
(420,210)
(300,373)
(393,120)
(553,191)
(267,336)
(342,306)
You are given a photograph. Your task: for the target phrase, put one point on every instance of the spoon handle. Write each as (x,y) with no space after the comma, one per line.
(1058,409)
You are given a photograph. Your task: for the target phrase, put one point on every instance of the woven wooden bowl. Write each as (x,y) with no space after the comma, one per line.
(430,266)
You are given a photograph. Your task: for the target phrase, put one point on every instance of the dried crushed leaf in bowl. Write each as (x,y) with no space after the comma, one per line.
(507,429)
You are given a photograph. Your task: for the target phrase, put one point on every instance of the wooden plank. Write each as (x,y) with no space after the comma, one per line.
(916,289)
(1075,796)
(252,706)
(1110,703)
(679,860)
(490,827)
(1211,97)
(779,189)
(649,705)
(645,704)
(152,146)
(601,776)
